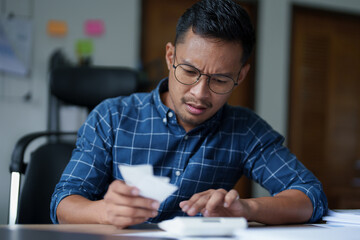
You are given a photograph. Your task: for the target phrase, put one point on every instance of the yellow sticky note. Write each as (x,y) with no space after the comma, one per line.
(57,28)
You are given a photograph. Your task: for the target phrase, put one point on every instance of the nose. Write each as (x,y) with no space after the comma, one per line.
(201,89)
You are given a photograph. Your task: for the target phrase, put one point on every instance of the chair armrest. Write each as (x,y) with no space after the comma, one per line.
(17,159)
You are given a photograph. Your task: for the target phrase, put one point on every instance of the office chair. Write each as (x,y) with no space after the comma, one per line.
(81,86)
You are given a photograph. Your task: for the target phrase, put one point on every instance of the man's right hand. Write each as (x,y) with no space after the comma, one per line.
(125,207)
(122,206)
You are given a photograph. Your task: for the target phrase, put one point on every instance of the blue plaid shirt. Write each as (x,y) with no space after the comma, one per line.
(140,129)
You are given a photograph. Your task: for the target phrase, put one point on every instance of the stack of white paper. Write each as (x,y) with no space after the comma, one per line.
(301,233)
(343,217)
(150,186)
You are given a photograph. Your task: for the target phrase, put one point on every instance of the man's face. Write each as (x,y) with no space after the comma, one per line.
(194,104)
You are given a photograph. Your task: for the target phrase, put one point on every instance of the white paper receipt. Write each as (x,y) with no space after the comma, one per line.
(150,186)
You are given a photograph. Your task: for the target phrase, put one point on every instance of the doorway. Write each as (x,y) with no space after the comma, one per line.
(324,109)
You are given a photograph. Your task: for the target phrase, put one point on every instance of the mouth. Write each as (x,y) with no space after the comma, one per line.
(195,109)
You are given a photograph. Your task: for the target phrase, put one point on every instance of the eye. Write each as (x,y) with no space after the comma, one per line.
(220,80)
(188,70)
(191,72)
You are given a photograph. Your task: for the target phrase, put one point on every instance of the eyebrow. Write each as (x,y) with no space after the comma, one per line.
(230,75)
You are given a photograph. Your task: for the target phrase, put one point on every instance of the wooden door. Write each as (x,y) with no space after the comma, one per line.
(159,19)
(324,123)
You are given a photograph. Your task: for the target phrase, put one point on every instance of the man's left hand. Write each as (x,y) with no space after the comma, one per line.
(216,203)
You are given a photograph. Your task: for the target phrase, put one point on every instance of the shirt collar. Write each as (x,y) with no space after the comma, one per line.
(161,88)
(163,110)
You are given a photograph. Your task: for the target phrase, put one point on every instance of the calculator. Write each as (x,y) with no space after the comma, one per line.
(204,226)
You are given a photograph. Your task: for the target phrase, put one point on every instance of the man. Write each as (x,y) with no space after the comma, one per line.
(185,129)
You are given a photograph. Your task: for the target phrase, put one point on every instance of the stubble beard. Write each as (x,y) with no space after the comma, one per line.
(191,120)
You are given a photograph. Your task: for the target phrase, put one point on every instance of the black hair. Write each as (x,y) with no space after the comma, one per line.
(219,19)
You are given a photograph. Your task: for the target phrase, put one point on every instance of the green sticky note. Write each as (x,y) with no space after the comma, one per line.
(84,47)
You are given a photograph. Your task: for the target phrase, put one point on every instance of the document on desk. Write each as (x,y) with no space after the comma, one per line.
(301,232)
(345,217)
(150,186)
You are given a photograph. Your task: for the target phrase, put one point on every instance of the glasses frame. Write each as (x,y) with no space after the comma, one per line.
(202,74)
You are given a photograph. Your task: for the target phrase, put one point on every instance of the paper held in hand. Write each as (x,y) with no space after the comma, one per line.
(150,186)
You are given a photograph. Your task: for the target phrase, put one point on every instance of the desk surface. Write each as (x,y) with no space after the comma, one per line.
(108,232)
(102,229)
(66,232)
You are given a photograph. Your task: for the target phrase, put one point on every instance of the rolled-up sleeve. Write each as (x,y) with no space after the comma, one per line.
(274,167)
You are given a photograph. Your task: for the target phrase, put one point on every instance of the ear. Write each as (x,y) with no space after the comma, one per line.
(169,55)
(244,71)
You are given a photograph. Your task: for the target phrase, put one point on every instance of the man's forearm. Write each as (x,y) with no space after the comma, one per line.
(289,206)
(77,209)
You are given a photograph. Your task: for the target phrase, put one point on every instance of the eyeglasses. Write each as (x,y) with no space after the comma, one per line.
(190,75)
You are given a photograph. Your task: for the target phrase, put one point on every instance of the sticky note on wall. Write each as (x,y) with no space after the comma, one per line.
(84,47)
(57,28)
(94,27)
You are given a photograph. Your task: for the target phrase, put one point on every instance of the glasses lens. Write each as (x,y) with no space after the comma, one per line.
(221,84)
(186,74)
(189,75)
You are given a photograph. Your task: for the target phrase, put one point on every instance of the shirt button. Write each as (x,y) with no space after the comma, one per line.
(186,137)
(170,114)
(177,173)
(164,120)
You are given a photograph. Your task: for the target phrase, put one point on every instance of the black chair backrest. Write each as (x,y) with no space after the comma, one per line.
(42,174)
(88,86)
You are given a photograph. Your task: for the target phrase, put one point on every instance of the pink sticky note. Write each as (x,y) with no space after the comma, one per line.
(94,27)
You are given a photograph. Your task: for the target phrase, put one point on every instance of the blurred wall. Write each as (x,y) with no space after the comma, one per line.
(120,46)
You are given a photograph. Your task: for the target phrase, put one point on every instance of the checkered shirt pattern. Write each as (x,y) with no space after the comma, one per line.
(140,129)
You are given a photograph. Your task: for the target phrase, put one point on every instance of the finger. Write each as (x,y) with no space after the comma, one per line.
(121,187)
(137,202)
(230,197)
(185,205)
(216,200)
(116,198)
(207,213)
(193,199)
(195,205)
(197,196)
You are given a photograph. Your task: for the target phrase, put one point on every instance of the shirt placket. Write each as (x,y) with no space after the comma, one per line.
(182,139)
